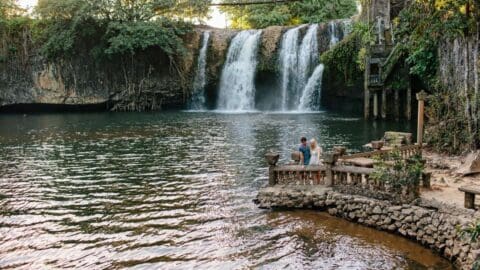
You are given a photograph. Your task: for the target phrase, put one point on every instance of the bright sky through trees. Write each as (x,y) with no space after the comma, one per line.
(217,19)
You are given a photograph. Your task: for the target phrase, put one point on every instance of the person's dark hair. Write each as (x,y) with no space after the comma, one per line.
(303,139)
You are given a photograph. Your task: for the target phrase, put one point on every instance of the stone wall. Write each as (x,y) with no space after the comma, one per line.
(430,223)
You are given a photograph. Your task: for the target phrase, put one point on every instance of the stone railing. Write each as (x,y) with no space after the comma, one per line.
(343,178)
(328,174)
(406,152)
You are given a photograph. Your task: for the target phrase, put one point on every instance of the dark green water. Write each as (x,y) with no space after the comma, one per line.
(174,191)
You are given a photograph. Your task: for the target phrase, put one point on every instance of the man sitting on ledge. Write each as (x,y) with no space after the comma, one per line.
(304,148)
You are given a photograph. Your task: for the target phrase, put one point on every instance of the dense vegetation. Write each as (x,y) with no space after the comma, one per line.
(104,28)
(308,11)
(421,29)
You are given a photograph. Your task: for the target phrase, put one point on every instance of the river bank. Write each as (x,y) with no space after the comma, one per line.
(434,225)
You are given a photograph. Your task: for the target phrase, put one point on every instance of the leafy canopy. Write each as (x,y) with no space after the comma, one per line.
(116,26)
(424,23)
(307,11)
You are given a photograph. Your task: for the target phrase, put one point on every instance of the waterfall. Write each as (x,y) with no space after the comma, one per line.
(307,60)
(333,34)
(288,63)
(296,64)
(314,83)
(197,101)
(237,88)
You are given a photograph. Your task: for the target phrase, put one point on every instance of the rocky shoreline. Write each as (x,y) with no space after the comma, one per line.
(433,224)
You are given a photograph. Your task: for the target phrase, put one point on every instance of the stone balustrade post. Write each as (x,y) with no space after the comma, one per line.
(272,159)
(329,159)
(421,97)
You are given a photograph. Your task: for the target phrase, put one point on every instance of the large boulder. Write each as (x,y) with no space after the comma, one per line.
(471,164)
(392,138)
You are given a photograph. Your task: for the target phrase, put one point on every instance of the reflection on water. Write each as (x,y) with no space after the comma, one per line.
(174,191)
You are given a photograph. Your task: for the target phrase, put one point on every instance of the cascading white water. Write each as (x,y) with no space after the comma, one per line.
(333,34)
(296,64)
(307,102)
(197,101)
(288,63)
(237,88)
(315,82)
(307,60)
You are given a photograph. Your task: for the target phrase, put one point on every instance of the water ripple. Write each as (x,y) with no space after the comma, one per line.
(174,191)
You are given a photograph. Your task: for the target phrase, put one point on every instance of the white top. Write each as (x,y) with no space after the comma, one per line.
(315,156)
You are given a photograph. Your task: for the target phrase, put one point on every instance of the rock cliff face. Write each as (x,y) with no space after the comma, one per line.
(460,67)
(147,81)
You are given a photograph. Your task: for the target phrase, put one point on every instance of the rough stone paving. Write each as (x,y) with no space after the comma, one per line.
(433,224)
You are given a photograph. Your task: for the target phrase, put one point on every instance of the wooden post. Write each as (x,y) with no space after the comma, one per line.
(329,159)
(272,159)
(384,103)
(469,200)
(421,108)
(366,104)
(408,101)
(375,105)
(397,105)
(366,98)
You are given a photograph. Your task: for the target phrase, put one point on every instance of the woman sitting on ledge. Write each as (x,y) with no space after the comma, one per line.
(315,152)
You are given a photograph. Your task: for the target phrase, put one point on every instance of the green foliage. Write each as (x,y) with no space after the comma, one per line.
(308,11)
(128,38)
(110,27)
(344,58)
(399,173)
(423,24)
(472,232)
(447,129)
(9,9)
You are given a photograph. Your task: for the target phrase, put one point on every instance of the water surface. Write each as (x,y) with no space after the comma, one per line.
(174,191)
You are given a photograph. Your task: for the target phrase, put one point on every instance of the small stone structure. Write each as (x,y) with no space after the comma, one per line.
(434,225)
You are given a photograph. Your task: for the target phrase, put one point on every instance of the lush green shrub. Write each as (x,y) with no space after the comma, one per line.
(399,174)
(108,28)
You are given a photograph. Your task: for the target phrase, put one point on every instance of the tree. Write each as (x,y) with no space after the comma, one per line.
(118,26)
(8,9)
(308,11)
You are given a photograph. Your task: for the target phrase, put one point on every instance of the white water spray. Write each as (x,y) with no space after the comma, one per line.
(288,63)
(307,60)
(296,64)
(237,88)
(197,101)
(315,82)
(333,34)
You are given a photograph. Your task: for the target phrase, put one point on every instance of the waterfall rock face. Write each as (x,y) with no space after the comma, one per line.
(237,87)
(197,101)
